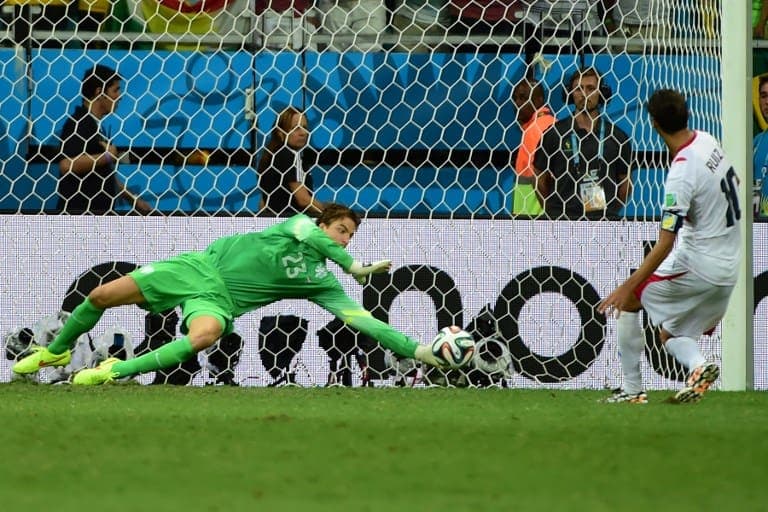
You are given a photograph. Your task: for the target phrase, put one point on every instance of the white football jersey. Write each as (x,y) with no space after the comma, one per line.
(702,186)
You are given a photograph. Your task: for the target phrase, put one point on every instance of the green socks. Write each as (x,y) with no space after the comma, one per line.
(169,354)
(82,320)
(86,316)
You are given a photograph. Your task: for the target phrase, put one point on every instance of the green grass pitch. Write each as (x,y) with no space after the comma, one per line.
(130,447)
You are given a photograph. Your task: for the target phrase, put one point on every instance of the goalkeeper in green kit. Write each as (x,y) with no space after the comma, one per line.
(234,275)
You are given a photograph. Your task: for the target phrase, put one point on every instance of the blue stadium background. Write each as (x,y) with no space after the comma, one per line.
(371,101)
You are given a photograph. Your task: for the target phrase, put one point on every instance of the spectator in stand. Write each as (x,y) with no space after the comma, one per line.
(42,15)
(92,14)
(762,99)
(214,18)
(487,16)
(417,19)
(643,22)
(285,24)
(286,187)
(759,18)
(353,24)
(759,53)
(89,181)
(534,118)
(575,20)
(583,165)
(494,18)
(760,147)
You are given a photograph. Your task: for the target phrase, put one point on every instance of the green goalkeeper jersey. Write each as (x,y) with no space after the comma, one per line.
(240,273)
(284,261)
(287,261)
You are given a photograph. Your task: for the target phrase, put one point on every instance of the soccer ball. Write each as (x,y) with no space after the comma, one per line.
(454,345)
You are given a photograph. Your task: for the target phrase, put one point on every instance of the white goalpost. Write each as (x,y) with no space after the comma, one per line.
(738,325)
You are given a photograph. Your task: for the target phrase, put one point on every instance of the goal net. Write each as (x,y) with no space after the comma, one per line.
(413,122)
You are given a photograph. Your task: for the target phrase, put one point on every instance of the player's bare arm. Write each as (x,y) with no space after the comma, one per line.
(135,201)
(625,188)
(305,199)
(623,297)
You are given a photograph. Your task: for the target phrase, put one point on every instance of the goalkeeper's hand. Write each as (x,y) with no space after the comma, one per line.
(425,355)
(361,271)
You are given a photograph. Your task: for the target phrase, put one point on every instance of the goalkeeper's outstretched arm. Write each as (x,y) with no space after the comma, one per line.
(352,313)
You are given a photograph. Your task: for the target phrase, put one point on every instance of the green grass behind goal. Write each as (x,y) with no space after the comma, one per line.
(129,447)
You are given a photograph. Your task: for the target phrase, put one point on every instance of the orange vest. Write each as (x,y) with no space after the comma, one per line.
(541,120)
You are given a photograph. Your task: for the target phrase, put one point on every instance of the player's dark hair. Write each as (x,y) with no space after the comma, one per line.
(605,90)
(582,73)
(535,88)
(278,137)
(335,211)
(669,109)
(98,77)
(537,94)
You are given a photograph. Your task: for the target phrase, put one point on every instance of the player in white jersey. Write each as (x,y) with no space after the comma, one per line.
(686,280)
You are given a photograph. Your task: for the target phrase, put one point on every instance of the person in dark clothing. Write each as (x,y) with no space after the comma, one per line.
(584,162)
(285,185)
(88,181)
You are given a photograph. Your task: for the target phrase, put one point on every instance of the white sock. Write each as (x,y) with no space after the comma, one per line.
(631,342)
(686,351)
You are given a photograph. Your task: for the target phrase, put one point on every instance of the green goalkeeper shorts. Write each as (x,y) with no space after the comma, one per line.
(188,280)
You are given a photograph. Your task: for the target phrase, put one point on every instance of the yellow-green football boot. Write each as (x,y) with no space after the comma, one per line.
(95,376)
(41,358)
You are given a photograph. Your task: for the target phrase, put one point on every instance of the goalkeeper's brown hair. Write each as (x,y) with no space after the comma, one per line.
(335,211)
(669,109)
